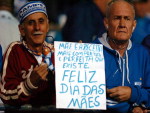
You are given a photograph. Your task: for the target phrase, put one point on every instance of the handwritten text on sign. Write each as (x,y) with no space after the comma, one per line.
(80,76)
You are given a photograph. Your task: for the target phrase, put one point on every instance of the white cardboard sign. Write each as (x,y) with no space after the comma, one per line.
(80,76)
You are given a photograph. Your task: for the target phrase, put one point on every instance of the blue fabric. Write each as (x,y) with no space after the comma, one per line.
(30,8)
(0,57)
(142,30)
(139,76)
(84,22)
(146,42)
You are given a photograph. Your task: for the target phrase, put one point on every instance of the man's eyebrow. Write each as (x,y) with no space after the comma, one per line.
(122,16)
(41,18)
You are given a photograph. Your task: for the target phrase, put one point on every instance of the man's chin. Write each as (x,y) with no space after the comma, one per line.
(38,44)
(123,41)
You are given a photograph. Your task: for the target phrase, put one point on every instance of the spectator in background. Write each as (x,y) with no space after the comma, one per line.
(85,21)
(1,66)
(143,21)
(146,42)
(0,59)
(8,24)
(26,79)
(127,65)
(56,8)
(17,5)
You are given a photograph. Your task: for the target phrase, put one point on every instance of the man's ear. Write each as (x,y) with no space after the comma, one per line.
(48,26)
(134,25)
(106,23)
(21,29)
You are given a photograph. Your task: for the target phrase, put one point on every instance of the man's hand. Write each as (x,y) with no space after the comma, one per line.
(80,41)
(120,93)
(139,110)
(39,73)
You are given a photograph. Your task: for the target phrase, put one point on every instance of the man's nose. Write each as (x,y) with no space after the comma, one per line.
(122,23)
(37,26)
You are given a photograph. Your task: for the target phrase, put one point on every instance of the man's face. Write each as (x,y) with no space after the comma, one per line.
(34,29)
(121,21)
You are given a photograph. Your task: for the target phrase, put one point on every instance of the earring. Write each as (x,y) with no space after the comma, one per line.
(106,27)
(133,28)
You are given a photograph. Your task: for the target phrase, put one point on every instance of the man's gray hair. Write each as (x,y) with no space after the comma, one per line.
(114,1)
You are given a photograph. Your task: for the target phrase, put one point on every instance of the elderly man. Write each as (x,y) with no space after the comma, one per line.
(26,78)
(127,66)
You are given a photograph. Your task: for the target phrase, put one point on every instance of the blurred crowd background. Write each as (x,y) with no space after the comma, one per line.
(74,20)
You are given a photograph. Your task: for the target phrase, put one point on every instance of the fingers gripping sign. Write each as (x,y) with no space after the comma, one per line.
(120,93)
